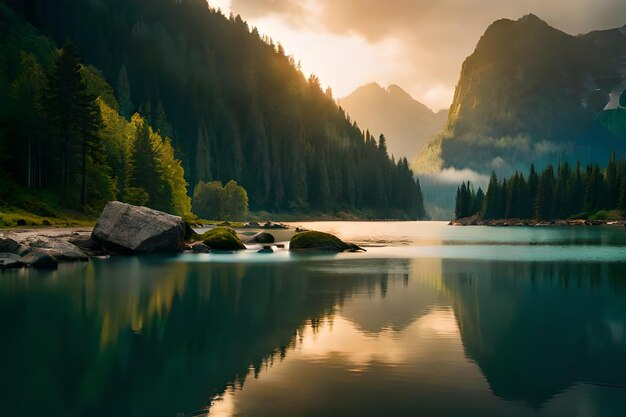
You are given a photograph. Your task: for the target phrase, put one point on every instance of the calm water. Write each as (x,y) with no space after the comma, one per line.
(431,321)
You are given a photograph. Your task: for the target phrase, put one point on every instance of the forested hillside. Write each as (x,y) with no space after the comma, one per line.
(63,144)
(234,105)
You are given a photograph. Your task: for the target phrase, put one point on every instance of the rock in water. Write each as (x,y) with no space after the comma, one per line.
(222,238)
(10,260)
(10,245)
(262,238)
(61,250)
(40,258)
(266,249)
(319,241)
(132,229)
(200,248)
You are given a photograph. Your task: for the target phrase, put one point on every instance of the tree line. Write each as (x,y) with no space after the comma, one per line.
(234,104)
(561,193)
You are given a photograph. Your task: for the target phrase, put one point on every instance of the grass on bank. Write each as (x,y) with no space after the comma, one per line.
(11,217)
(20,207)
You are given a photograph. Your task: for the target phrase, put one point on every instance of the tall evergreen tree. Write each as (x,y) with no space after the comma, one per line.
(143,168)
(29,148)
(477,203)
(533,183)
(612,182)
(124,94)
(544,204)
(492,199)
(382,145)
(75,116)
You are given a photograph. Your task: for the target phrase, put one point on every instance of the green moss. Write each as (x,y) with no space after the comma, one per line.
(221,238)
(319,241)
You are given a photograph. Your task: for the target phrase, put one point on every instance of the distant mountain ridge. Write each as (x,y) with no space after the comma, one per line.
(532,93)
(406,123)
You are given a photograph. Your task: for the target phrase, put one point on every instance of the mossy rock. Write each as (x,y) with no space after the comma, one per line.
(320,242)
(221,238)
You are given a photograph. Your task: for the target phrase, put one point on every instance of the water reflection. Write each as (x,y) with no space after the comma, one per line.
(350,337)
(559,324)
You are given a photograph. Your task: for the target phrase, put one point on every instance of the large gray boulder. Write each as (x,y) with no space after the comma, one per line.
(131,229)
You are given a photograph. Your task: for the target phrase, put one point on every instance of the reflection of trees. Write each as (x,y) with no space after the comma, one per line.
(148,337)
(537,329)
(393,301)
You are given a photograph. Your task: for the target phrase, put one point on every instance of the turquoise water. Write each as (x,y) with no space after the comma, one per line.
(431,321)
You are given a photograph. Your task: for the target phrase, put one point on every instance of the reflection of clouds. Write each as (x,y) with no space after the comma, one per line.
(336,363)
(356,347)
(398,299)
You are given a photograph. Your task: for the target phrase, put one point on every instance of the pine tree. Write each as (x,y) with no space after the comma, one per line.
(62,107)
(544,204)
(464,200)
(595,193)
(143,166)
(124,94)
(561,193)
(576,192)
(533,184)
(622,197)
(161,123)
(458,204)
(28,151)
(477,204)
(382,145)
(612,185)
(420,211)
(492,199)
(74,114)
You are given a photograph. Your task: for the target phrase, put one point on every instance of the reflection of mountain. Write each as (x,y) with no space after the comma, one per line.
(393,301)
(150,338)
(538,329)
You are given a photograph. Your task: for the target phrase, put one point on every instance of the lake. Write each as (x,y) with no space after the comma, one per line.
(432,321)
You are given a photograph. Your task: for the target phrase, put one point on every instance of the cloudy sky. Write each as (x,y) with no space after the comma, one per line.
(417,44)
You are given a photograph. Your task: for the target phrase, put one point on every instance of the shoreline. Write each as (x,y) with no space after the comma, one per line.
(25,232)
(474,221)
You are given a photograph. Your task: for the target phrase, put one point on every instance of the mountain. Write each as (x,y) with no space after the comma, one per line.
(531,93)
(406,123)
(232,104)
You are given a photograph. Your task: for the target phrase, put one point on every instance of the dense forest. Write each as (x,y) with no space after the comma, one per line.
(62,136)
(561,193)
(224,100)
